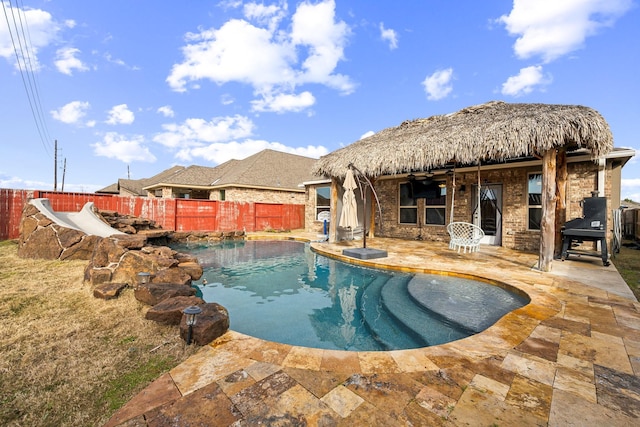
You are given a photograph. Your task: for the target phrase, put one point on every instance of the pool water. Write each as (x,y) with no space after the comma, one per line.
(282,291)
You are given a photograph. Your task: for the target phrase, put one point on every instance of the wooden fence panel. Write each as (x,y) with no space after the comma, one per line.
(236,216)
(170,214)
(269,216)
(11,204)
(293,216)
(198,215)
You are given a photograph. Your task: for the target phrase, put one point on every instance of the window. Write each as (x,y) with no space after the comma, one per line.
(534,201)
(408,205)
(435,204)
(323,199)
(223,195)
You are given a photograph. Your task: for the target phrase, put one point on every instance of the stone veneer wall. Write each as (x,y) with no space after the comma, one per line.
(582,181)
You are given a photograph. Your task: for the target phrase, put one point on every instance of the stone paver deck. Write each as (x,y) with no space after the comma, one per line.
(570,357)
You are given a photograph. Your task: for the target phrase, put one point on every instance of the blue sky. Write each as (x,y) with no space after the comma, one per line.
(130,88)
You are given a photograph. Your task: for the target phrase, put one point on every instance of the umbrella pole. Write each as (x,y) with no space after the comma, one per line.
(478,197)
(364,230)
(364,198)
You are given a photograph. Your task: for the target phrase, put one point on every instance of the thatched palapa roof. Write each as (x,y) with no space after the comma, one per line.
(495,131)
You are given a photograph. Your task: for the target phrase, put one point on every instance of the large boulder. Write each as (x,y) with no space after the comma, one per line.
(82,250)
(131,263)
(154,293)
(41,244)
(193,269)
(212,323)
(172,275)
(108,290)
(169,311)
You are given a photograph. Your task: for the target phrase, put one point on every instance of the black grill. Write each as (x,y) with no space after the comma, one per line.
(592,227)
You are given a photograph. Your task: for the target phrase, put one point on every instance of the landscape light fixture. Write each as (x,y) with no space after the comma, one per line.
(143,278)
(192,313)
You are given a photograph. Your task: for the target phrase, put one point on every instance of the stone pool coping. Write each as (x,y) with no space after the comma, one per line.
(572,355)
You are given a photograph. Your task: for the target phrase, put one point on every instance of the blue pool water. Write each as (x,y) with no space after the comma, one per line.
(283,291)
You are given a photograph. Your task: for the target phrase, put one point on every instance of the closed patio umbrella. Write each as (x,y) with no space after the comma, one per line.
(349,215)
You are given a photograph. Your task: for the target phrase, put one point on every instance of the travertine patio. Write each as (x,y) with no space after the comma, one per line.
(570,357)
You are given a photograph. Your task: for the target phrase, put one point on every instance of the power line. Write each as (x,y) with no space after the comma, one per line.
(27,39)
(21,60)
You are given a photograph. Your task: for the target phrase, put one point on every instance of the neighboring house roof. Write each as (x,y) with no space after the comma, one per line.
(495,131)
(268,169)
(109,189)
(136,186)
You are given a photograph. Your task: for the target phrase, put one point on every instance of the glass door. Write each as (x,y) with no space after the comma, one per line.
(489,215)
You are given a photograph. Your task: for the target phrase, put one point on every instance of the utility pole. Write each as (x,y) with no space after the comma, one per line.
(128,173)
(64,172)
(55,165)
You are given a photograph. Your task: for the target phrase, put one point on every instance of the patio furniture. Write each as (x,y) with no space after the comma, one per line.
(464,235)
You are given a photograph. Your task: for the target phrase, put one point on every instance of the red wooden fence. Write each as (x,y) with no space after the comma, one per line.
(171,214)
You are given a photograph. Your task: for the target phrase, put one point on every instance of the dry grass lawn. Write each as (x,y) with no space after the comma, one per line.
(67,358)
(627,261)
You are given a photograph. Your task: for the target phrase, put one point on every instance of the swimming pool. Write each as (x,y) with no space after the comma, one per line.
(283,291)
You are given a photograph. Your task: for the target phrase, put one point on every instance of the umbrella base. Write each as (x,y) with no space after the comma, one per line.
(364,253)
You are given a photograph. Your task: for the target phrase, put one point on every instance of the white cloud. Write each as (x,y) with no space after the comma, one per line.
(221,152)
(277,65)
(270,15)
(367,134)
(282,103)
(630,189)
(120,115)
(314,27)
(72,112)
(551,28)
(43,31)
(389,36)
(197,132)
(166,111)
(123,148)
(66,61)
(21,183)
(227,99)
(438,85)
(526,81)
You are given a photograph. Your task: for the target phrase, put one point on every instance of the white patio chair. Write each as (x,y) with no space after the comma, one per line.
(464,235)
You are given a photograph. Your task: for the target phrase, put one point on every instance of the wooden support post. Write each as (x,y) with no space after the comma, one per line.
(561,198)
(547,224)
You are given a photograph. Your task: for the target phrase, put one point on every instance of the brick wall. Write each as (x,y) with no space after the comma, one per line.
(246,195)
(582,181)
(310,220)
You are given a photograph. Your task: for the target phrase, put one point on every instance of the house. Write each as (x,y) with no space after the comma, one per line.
(519,170)
(267,177)
(135,187)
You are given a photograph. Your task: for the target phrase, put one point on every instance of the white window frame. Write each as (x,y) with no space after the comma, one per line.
(323,208)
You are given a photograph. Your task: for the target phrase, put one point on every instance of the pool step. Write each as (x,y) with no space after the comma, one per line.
(428,326)
(383,327)
(469,304)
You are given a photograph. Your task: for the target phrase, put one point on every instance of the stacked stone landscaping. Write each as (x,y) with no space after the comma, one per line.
(114,264)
